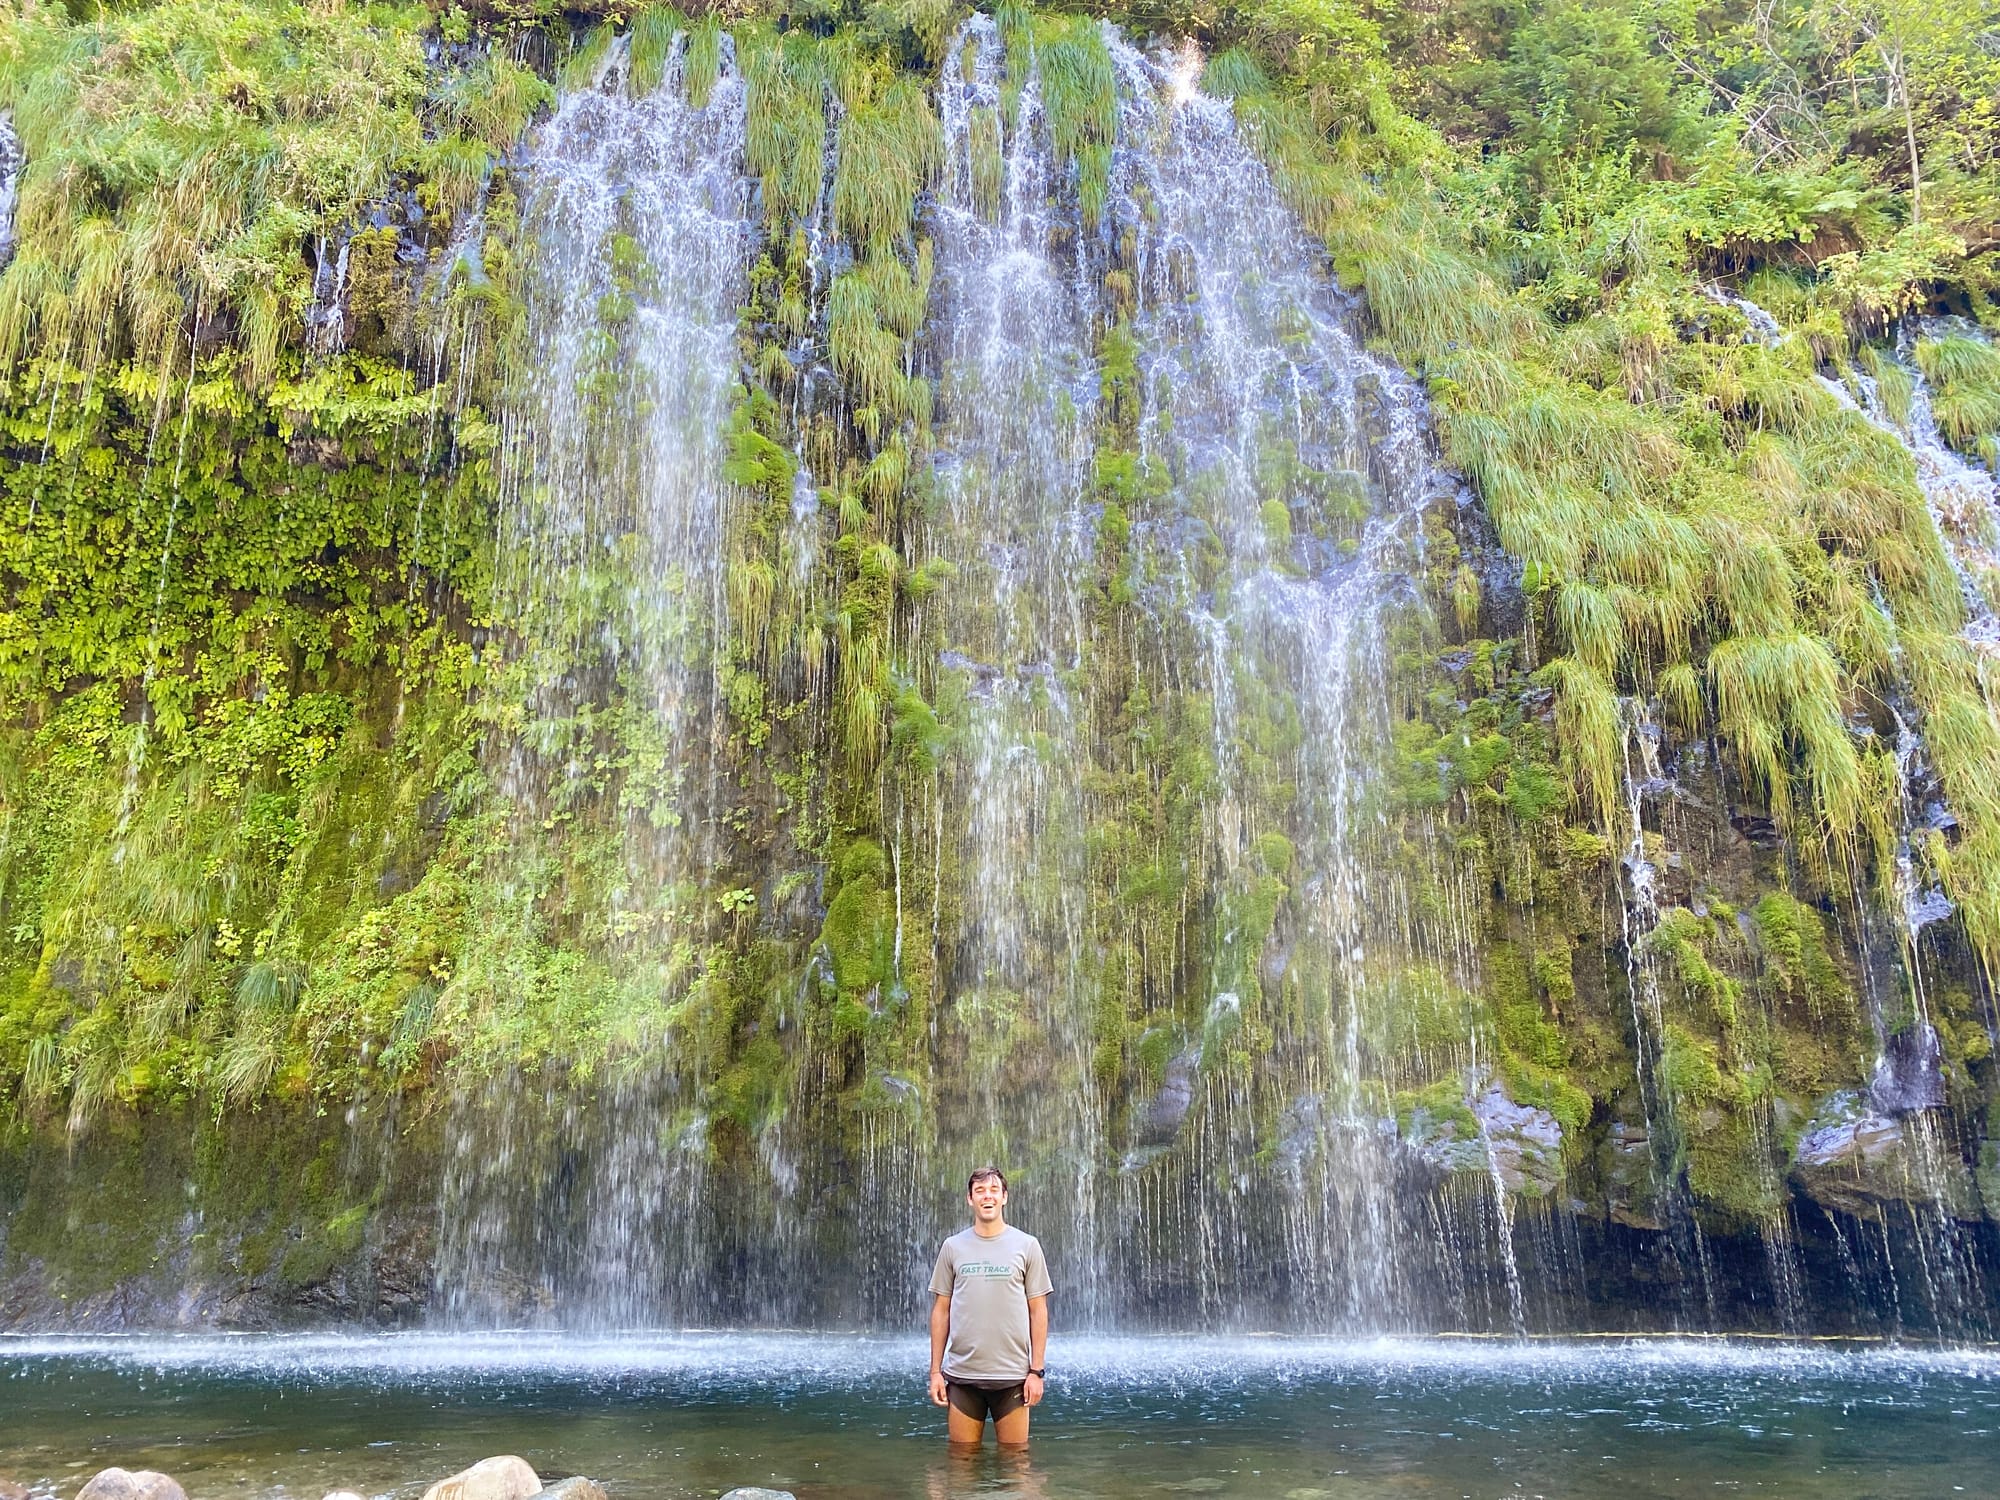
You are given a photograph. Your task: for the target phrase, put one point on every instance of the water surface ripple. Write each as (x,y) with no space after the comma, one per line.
(839,1417)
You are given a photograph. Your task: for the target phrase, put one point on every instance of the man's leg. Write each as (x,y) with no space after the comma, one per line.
(965,1414)
(1010,1416)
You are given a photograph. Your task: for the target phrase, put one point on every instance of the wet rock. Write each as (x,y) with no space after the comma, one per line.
(1492,1136)
(1525,1143)
(342,1495)
(1300,1131)
(1987,1178)
(1629,1179)
(1909,1075)
(1855,1158)
(130,1484)
(758,1492)
(575,1488)
(12,1491)
(1159,1119)
(503,1478)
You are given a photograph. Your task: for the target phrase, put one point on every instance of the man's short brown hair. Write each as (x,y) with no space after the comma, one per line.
(980,1174)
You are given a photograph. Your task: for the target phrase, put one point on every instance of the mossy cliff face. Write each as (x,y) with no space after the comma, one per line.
(334,986)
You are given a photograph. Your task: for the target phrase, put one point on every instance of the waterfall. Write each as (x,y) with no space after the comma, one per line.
(1667,1206)
(10,183)
(1276,474)
(1300,465)
(638,228)
(1017,388)
(1903,1112)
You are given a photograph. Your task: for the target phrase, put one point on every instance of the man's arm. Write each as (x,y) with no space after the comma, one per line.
(1038,1346)
(940,1330)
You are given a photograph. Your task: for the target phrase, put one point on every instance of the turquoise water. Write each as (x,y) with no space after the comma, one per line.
(842,1418)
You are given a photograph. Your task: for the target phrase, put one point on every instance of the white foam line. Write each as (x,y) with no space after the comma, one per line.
(710,1358)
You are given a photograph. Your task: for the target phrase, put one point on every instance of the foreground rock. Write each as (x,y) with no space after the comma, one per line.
(130,1484)
(503,1478)
(577,1488)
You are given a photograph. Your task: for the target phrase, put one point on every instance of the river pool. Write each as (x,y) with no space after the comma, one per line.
(839,1417)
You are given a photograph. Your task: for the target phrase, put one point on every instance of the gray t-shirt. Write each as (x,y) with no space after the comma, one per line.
(989,1282)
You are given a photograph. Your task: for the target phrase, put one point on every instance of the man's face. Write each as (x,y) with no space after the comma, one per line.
(988,1196)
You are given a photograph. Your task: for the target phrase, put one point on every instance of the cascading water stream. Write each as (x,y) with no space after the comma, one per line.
(1963,499)
(1670,1208)
(10,181)
(1905,1100)
(639,231)
(1017,385)
(1301,464)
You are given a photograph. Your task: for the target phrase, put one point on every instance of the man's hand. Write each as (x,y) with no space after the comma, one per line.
(941,1397)
(1031,1389)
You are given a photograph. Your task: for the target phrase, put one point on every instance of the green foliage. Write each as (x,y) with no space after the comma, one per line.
(1080,97)
(178,156)
(1964,374)
(890,150)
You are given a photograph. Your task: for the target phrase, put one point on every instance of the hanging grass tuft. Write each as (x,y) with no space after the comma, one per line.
(890,150)
(786,126)
(651,47)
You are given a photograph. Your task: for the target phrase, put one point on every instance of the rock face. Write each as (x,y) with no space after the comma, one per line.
(503,1478)
(130,1484)
(1491,1136)
(1856,1158)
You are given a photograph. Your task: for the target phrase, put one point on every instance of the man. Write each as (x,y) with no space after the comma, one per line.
(989,1320)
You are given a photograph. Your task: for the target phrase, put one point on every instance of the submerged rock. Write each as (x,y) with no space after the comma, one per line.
(130,1484)
(502,1478)
(575,1488)
(758,1492)
(342,1495)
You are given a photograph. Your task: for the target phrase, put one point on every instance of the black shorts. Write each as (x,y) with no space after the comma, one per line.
(982,1401)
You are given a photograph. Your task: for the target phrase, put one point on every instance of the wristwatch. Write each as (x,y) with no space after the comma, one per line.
(1039,1374)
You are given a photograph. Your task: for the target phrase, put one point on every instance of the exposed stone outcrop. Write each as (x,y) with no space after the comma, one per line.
(1856,1158)
(1490,1135)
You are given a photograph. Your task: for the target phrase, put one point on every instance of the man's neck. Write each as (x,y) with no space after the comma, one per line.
(999,1228)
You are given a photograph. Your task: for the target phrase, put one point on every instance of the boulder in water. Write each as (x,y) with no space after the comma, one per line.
(575,1488)
(130,1484)
(758,1492)
(503,1478)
